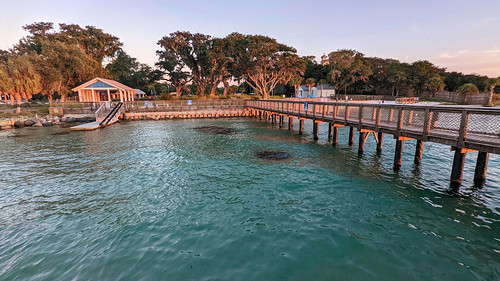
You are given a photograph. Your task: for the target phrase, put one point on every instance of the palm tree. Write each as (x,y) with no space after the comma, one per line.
(296,82)
(322,82)
(310,82)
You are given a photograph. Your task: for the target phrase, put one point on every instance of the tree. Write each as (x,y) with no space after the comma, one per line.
(310,82)
(24,78)
(5,80)
(398,77)
(129,71)
(434,84)
(421,72)
(263,62)
(62,66)
(94,41)
(347,68)
(468,88)
(321,83)
(296,82)
(204,56)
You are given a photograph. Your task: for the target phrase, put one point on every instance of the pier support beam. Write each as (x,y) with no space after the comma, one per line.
(362,139)
(458,167)
(335,136)
(281,121)
(315,129)
(351,135)
(330,129)
(418,152)
(481,168)
(380,138)
(290,123)
(301,125)
(398,155)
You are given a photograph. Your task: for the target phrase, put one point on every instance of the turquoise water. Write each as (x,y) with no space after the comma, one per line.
(159,200)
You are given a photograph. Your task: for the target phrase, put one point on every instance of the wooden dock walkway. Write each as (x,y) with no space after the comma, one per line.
(465,129)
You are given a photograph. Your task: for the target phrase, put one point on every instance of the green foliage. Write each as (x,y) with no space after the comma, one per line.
(348,67)
(127,70)
(468,88)
(262,62)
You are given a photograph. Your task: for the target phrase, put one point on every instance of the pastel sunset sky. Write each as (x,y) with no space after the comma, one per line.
(458,35)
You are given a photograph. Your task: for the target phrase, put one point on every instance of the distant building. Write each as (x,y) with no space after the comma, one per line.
(139,93)
(327,92)
(304,92)
(100,89)
(324,59)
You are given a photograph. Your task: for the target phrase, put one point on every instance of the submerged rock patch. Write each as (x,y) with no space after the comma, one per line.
(60,133)
(215,130)
(272,154)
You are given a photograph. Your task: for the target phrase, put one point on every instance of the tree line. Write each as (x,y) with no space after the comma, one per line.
(49,62)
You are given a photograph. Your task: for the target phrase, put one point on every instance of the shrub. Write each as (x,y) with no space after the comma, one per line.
(468,88)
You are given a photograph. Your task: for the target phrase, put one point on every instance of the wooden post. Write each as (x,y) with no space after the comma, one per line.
(398,155)
(290,123)
(281,121)
(418,152)
(335,136)
(380,137)
(481,168)
(301,125)
(109,95)
(315,130)
(351,135)
(362,139)
(458,167)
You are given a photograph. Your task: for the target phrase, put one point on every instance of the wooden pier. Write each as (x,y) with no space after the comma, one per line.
(465,129)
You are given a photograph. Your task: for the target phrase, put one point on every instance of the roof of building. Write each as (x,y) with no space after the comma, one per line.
(139,91)
(326,87)
(101,83)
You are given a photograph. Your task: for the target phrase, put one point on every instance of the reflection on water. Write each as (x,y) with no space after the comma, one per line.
(159,200)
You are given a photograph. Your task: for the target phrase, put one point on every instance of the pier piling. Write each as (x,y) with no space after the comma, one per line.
(458,167)
(335,136)
(418,152)
(380,140)
(398,155)
(315,129)
(362,139)
(481,168)
(351,135)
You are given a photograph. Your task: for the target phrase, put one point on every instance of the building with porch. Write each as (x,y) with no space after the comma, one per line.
(100,89)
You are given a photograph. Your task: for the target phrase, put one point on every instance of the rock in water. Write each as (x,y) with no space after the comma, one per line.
(215,130)
(29,122)
(272,155)
(38,124)
(18,124)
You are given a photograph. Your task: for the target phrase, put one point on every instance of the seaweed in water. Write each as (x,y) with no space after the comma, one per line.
(272,155)
(215,130)
(60,133)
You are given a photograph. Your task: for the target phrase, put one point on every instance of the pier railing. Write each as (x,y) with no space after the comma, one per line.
(461,127)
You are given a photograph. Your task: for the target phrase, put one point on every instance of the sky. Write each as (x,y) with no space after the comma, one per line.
(458,35)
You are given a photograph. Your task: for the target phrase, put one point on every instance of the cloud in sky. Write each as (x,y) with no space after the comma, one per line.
(485,62)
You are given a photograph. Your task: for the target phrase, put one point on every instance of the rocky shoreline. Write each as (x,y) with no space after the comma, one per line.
(42,122)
